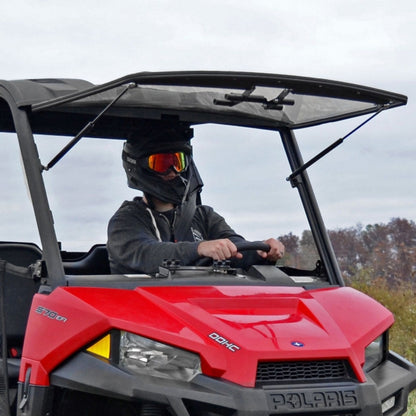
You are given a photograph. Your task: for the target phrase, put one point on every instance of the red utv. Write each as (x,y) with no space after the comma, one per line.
(210,340)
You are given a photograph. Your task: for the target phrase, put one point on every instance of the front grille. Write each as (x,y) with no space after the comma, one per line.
(298,371)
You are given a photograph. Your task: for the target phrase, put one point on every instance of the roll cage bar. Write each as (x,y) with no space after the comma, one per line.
(66,107)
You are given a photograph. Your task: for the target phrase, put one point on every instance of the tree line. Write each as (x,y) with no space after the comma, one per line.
(365,253)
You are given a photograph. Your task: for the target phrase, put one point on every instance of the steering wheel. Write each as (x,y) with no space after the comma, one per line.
(241,246)
(252,245)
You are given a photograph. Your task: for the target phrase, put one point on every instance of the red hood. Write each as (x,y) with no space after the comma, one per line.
(228,325)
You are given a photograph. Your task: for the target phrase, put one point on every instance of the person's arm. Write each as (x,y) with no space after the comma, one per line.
(133,246)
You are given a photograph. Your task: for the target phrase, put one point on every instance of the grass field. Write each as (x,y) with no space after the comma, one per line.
(401,301)
(411,411)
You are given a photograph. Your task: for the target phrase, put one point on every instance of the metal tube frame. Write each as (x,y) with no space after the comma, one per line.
(33,172)
(307,196)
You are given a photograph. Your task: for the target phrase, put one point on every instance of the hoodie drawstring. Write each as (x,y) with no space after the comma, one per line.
(154,224)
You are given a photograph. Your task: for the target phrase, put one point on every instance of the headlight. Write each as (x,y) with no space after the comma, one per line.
(145,356)
(375,353)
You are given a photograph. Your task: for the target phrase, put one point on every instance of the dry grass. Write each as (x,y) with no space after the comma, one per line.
(401,301)
(411,410)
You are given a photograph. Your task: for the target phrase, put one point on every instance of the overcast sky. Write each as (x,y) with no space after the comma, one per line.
(369,179)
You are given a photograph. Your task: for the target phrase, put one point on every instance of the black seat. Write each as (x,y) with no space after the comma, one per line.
(93,262)
(18,291)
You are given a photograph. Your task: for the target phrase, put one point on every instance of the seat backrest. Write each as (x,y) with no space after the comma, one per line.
(93,262)
(18,291)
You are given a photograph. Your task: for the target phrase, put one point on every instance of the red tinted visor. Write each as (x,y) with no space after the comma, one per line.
(162,162)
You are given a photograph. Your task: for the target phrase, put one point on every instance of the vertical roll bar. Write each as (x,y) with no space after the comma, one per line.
(43,214)
(307,196)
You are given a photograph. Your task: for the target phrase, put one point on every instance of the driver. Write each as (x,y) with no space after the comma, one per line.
(169,222)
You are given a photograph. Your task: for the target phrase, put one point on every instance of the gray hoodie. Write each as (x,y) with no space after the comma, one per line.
(139,238)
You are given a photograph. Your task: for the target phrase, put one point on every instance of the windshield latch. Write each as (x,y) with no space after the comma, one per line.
(232,99)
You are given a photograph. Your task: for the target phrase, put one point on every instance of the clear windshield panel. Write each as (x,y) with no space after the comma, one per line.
(17,222)
(84,188)
(278,106)
(89,184)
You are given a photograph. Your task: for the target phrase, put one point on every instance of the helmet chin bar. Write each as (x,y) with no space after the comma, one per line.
(173,191)
(150,197)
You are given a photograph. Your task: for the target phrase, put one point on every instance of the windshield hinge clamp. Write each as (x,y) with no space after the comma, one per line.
(224,267)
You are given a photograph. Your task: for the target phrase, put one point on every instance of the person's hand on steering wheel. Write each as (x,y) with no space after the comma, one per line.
(224,249)
(276,252)
(221,249)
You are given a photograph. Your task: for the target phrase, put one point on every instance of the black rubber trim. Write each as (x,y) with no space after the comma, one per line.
(87,373)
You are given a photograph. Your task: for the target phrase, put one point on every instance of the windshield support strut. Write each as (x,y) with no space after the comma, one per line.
(331,147)
(85,130)
(313,214)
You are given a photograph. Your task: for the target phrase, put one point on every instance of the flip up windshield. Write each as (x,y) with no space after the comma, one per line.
(46,109)
(246,99)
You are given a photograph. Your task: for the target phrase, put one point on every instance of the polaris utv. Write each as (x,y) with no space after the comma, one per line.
(210,340)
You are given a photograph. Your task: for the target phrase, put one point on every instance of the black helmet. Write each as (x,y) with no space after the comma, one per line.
(161,139)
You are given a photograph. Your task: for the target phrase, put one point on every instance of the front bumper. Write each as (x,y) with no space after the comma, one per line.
(216,397)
